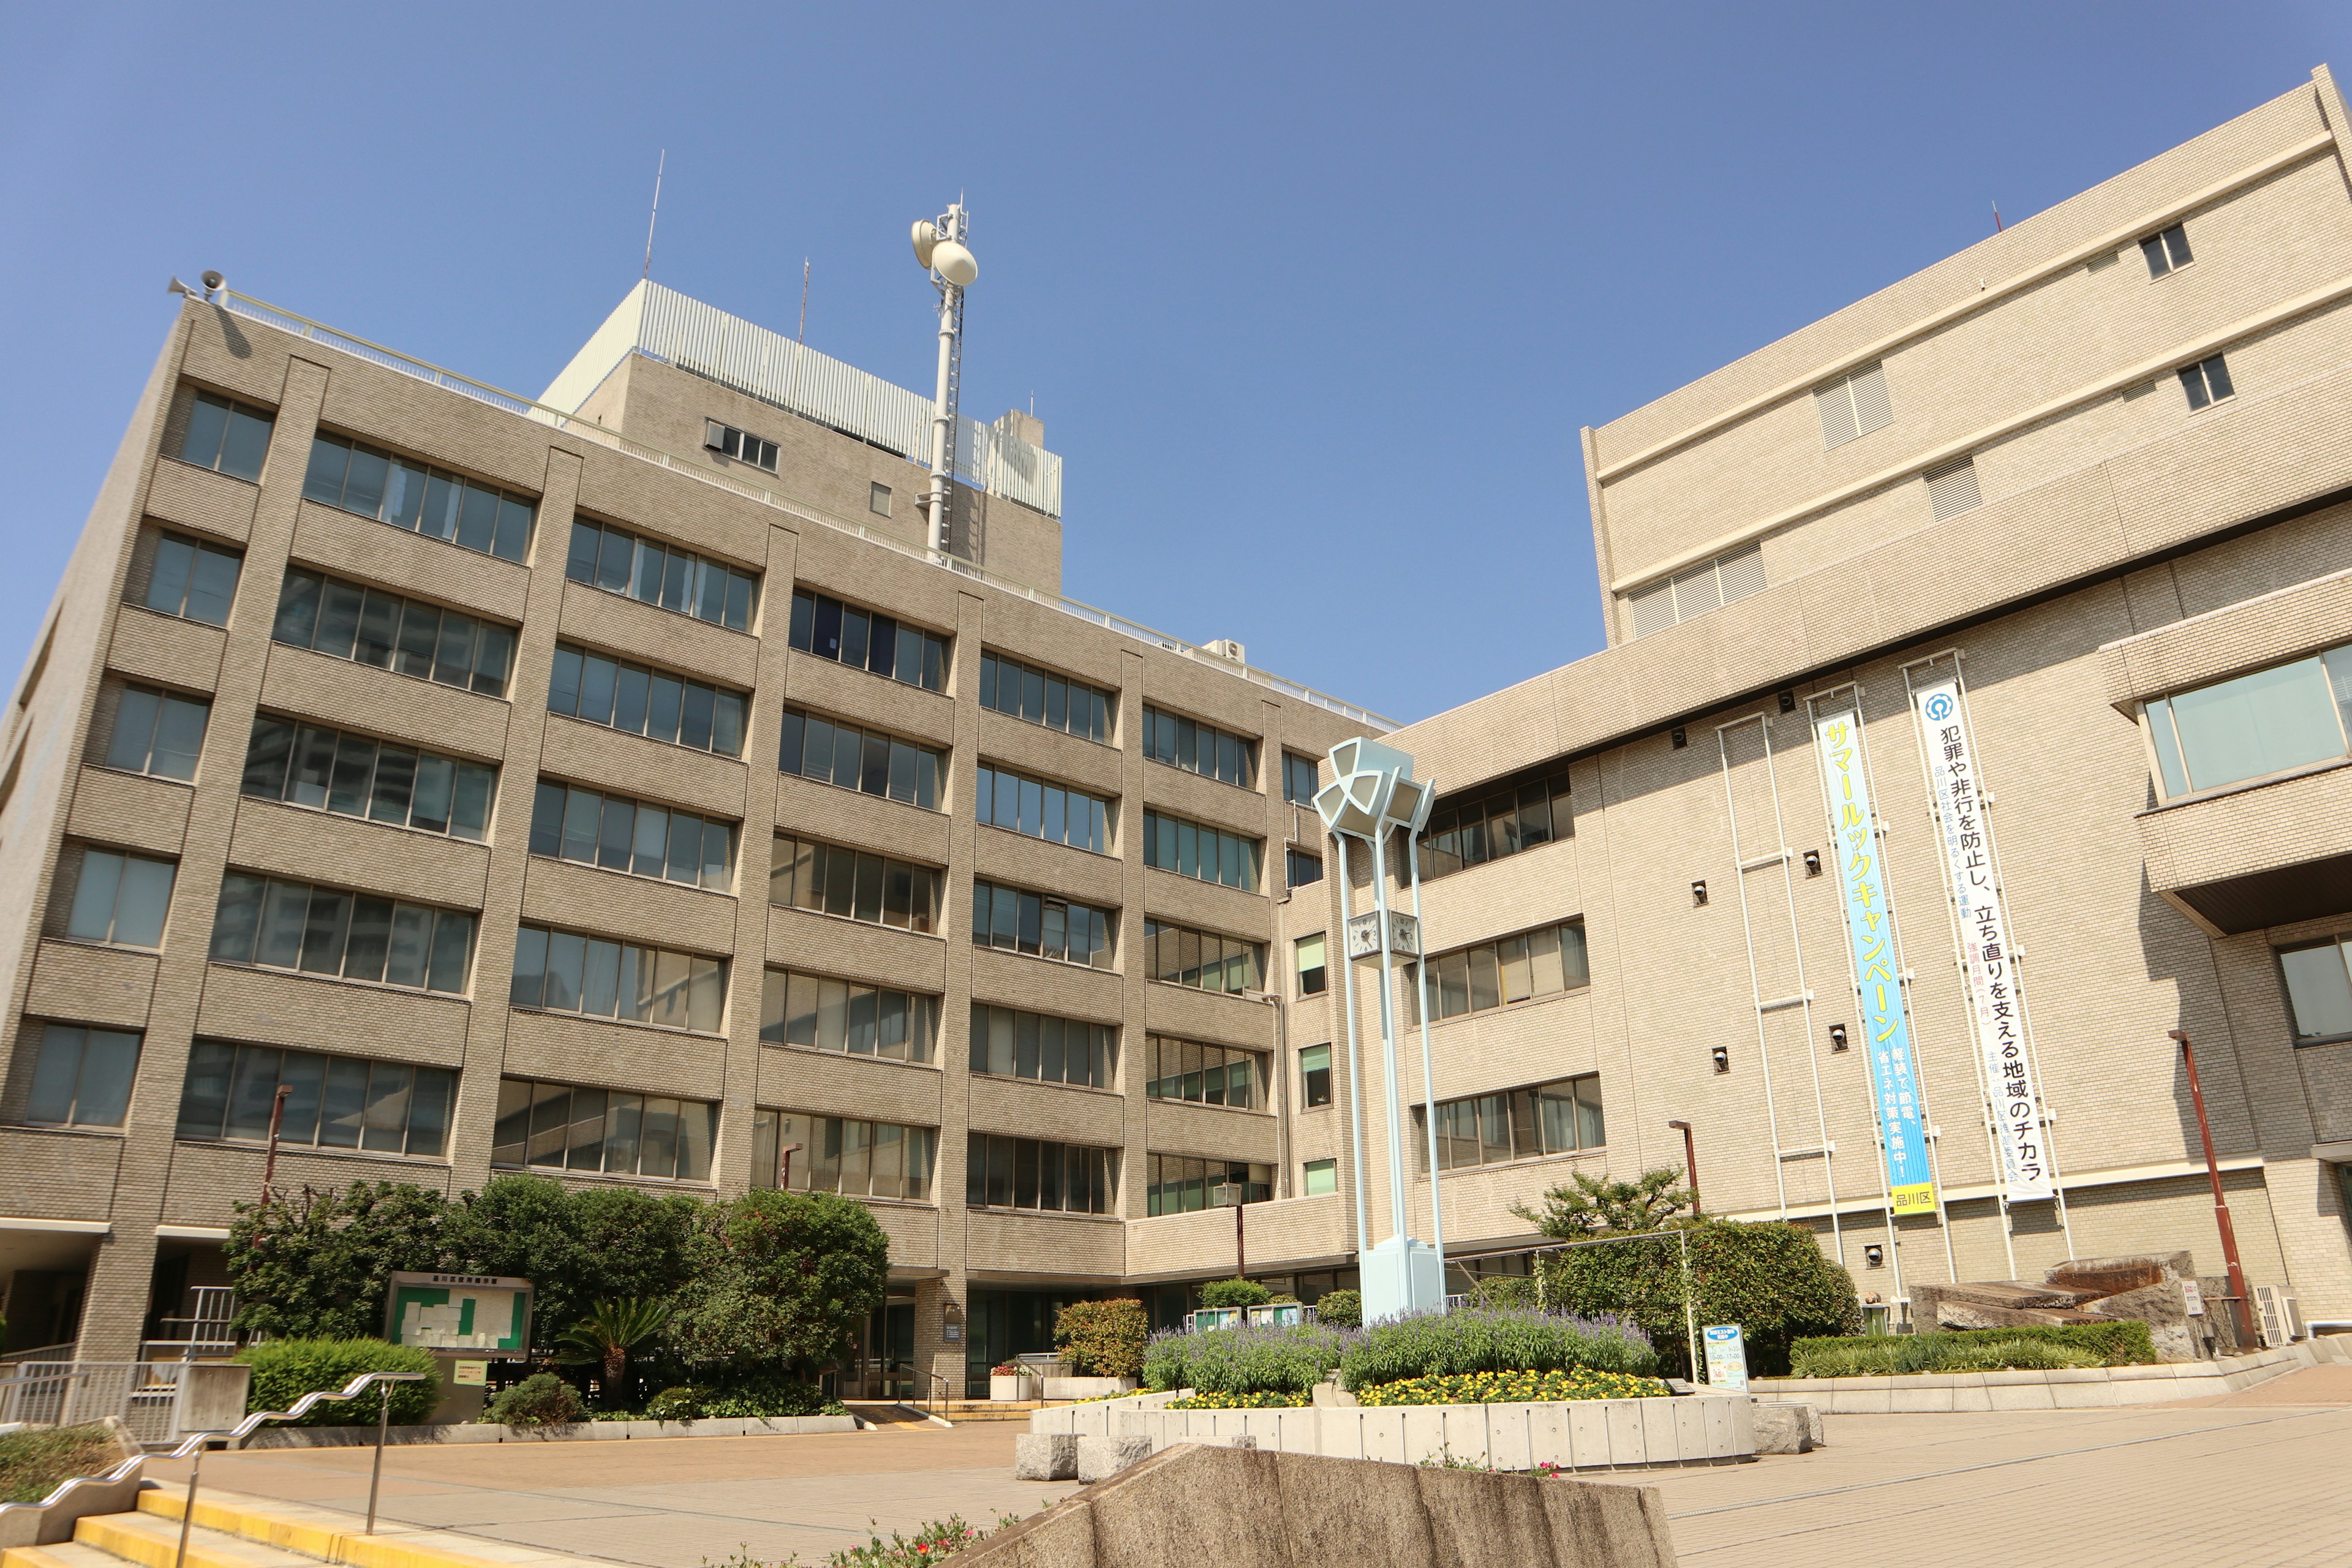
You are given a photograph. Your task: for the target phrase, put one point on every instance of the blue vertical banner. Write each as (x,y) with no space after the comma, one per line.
(1870,931)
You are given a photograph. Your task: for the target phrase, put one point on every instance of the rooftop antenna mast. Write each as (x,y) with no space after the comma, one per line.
(940,251)
(659,167)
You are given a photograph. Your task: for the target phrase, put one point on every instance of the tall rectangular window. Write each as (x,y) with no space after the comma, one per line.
(367,626)
(2166,253)
(354,775)
(1040,697)
(1298,779)
(118,898)
(82,1077)
(2273,722)
(1317,1177)
(1204,1074)
(1033,1174)
(1178,955)
(640,700)
(331,1102)
(826,1014)
(563,1127)
(1315,1076)
(2206,382)
(1041,810)
(1539,963)
(2318,989)
(1556,1118)
(1199,748)
(1010,1043)
(1041,925)
(279,924)
(1308,955)
(1302,869)
(568,972)
(227,437)
(867,639)
(1199,851)
(1495,820)
(158,733)
(586,826)
(193,579)
(1181,1184)
(855,1158)
(646,569)
(352,477)
(824,752)
(854,884)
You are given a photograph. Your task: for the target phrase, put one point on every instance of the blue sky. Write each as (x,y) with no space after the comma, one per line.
(1283,282)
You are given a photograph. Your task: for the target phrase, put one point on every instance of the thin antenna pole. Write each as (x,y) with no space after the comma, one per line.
(1996,218)
(659,167)
(804,277)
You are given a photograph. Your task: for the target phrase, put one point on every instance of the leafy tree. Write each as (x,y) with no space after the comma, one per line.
(576,1248)
(780,1279)
(1234,1293)
(319,1268)
(1340,1309)
(1595,1205)
(608,1333)
(1105,1339)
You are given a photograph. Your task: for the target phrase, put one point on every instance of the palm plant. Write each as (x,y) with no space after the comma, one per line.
(609,1333)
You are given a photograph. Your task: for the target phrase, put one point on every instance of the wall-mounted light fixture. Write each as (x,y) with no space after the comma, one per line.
(1837,1037)
(1698,894)
(1679,736)
(1813,862)
(1722,1055)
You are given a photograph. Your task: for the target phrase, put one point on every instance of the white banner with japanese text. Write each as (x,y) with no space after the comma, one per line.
(1985,954)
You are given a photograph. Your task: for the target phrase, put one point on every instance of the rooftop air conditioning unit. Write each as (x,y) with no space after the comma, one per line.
(1226,648)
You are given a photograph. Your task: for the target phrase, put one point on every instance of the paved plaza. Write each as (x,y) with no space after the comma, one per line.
(2259,1480)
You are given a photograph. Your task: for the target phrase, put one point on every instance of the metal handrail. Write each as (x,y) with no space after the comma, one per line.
(571,423)
(935,1395)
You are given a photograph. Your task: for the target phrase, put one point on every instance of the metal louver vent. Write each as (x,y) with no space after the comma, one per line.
(1654,608)
(1952,489)
(1695,590)
(1854,405)
(1742,573)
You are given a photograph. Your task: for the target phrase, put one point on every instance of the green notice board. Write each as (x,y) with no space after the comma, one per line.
(459,1312)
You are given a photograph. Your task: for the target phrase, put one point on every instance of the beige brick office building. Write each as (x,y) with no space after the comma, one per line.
(424,751)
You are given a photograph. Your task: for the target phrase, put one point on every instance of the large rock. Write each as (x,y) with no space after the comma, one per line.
(1099,1459)
(1045,1456)
(1786,1428)
(1238,1507)
(2098,1277)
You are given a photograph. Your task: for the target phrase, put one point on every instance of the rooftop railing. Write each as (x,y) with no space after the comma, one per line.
(702,473)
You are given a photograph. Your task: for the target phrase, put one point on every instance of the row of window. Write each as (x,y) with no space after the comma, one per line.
(357,478)
(558,1126)
(651,572)
(866,639)
(1034,1174)
(346,620)
(1011,1043)
(1179,955)
(854,884)
(281,925)
(1195,849)
(639,701)
(864,759)
(565,972)
(1205,1075)
(621,835)
(1043,698)
(1496,823)
(308,765)
(227,437)
(1535,963)
(331,1102)
(1041,810)
(855,1158)
(829,1015)
(1199,748)
(1012,921)
(193,579)
(2273,721)
(742,445)
(1180,1184)
(1556,1118)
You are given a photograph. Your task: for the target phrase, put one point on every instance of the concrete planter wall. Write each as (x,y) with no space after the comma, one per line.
(1087,1387)
(579,1432)
(1019,1386)
(2069,1388)
(1583,1434)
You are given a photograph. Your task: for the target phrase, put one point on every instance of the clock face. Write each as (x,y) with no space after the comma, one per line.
(1364,935)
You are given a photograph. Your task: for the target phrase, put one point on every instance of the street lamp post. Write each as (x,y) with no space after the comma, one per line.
(2221,1204)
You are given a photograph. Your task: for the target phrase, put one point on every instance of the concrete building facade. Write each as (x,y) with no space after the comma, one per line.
(425,750)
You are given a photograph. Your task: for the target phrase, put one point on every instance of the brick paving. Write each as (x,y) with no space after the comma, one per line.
(2253,1481)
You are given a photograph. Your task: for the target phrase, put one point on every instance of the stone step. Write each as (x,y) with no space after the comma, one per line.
(151,1540)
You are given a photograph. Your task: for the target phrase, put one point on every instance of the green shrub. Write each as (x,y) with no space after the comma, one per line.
(1103,1339)
(1340,1309)
(1966,1349)
(33,1462)
(1516,1388)
(286,1370)
(683,1403)
(1234,1293)
(1454,1344)
(542,1399)
(763,1391)
(1506,1290)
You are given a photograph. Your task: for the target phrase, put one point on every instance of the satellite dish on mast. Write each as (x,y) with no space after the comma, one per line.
(927,238)
(953,262)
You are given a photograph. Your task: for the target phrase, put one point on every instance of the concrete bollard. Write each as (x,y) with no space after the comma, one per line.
(1045,1456)
(1099,1459)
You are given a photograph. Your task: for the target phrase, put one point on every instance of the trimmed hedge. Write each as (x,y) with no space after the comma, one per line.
(1340,1309)
(1471,1341)
(286,1370)
(1234,1293)
(1104,1339)
(1966,1349)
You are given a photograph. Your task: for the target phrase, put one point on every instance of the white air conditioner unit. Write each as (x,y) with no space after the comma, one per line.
(1226,648)
(2282,1319)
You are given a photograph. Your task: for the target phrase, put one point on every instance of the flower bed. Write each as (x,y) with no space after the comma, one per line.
(1271,1399)
(1513,1388)
(2024,1348)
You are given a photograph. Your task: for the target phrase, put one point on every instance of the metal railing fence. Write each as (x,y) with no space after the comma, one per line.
(143,1393)
(703,473)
